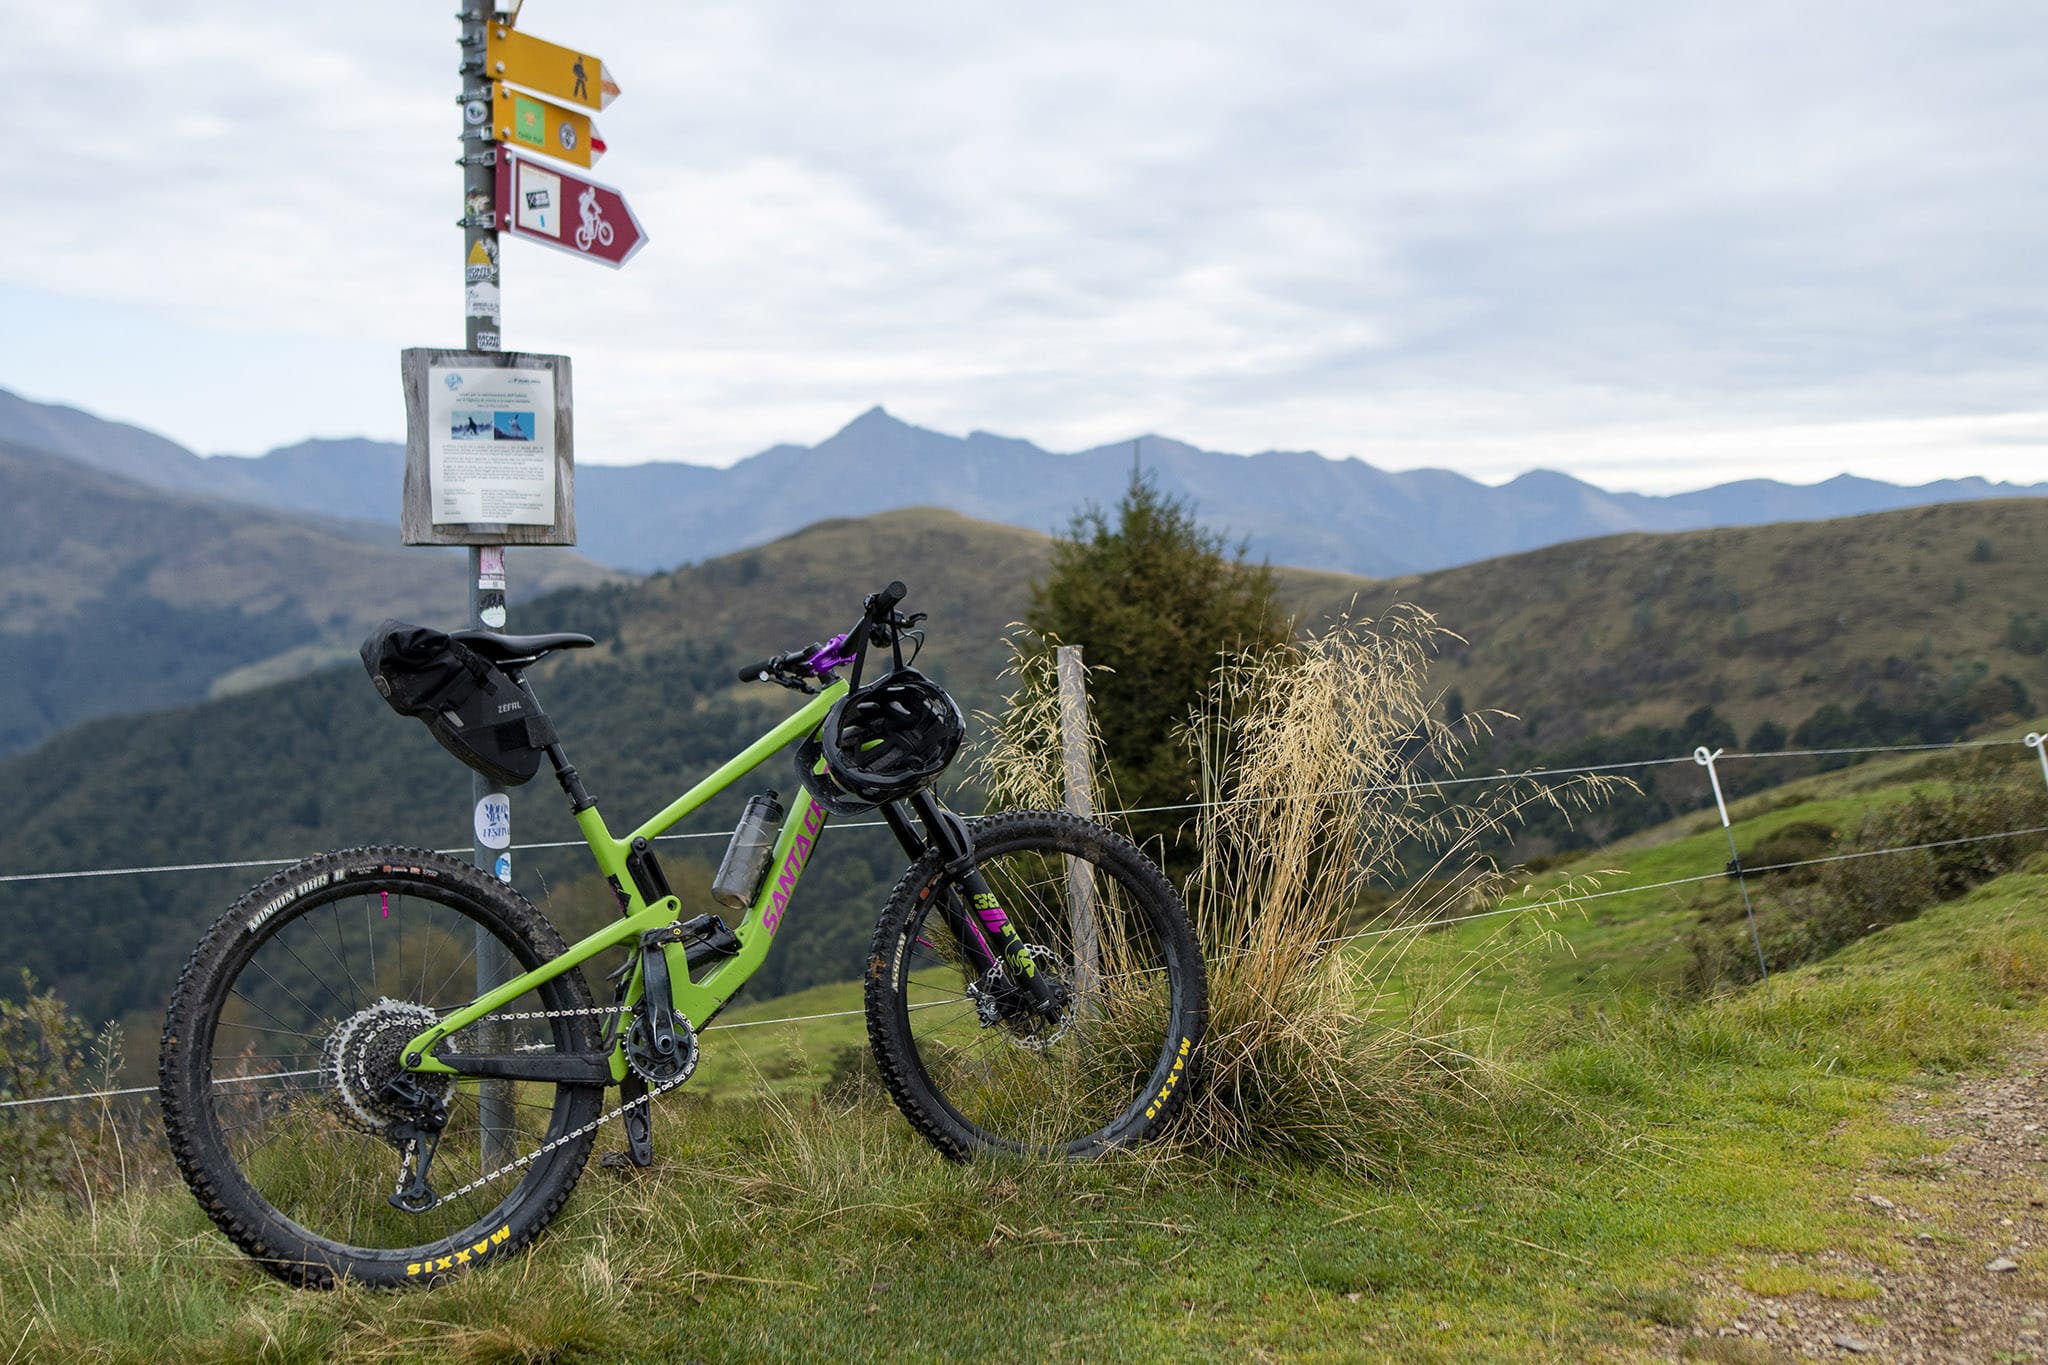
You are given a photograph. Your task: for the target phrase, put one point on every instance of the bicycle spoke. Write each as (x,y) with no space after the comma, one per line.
(281,1026)
(283,943)
(311,1013)
(306,1147)
(467,960)
(355,991)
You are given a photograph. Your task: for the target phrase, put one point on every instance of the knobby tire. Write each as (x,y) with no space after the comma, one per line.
(1123,1063)
(259,974)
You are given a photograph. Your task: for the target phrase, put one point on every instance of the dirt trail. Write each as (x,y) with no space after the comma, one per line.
(1971,1226)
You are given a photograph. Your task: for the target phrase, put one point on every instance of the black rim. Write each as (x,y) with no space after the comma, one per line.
(1010,1077)
(363,964)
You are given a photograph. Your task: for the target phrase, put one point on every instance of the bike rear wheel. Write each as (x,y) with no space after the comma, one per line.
(970,1064)
(291,1016)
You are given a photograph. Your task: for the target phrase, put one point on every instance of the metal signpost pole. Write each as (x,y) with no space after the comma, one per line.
(491,806)
(523,491)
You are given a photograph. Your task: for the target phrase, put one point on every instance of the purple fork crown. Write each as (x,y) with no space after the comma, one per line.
(834,653)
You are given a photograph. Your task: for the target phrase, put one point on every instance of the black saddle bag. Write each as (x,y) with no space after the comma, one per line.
(469,704)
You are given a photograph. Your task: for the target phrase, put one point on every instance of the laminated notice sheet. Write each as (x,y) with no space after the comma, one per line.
(491,445)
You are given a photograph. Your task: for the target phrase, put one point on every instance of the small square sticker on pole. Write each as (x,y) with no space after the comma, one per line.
(490,568)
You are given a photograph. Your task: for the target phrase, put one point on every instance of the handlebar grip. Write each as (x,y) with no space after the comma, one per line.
(755,672)
(885,601)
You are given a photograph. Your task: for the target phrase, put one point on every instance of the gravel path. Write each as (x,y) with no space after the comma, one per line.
(1971,1228)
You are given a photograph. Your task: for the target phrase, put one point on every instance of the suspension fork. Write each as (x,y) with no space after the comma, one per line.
(972,911)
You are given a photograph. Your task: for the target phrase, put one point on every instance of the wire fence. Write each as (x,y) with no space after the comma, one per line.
(1420,925)
(1372,789)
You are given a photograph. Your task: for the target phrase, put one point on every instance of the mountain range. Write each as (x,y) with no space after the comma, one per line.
(1289,507)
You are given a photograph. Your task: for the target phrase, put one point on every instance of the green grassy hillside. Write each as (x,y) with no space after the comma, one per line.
(973,577)
(1745,1177)
(1762,622)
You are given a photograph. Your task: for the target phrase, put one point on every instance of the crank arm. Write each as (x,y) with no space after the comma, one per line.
(639,1121)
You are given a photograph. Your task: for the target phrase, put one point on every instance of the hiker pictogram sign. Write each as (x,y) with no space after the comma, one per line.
(537,64)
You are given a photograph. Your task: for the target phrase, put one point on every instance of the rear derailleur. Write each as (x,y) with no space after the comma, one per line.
(416,1138)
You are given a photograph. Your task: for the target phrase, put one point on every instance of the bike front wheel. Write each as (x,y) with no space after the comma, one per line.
(286,1030)
(971,1063)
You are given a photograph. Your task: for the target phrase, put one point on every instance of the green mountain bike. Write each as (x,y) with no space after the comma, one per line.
(345,1105)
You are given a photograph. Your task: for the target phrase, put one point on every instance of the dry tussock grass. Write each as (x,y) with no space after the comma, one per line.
(1320,766)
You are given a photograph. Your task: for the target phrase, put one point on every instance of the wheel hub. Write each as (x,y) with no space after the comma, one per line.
(1002,1003)
(364,1054)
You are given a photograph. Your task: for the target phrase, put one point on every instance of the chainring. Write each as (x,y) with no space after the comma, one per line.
(649,1065)
(364,1053)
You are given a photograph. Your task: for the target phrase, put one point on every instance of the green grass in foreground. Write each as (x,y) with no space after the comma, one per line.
(1629,1138)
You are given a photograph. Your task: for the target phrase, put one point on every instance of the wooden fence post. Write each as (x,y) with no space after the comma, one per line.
(1080,774)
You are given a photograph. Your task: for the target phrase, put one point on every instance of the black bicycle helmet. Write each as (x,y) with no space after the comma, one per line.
(881,742)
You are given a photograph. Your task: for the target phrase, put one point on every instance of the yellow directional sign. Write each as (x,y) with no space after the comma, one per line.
(533,124)
(522,59)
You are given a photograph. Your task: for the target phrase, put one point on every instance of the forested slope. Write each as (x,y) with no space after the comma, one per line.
(1917,609)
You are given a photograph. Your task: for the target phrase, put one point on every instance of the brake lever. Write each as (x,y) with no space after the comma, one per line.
(794,673)
(886,632)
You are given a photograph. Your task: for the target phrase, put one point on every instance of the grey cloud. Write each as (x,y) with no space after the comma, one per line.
(1345,226)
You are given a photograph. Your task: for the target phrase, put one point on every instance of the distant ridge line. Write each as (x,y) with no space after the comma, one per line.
(1296,508)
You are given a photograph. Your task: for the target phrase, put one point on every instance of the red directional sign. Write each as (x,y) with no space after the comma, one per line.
(546,204)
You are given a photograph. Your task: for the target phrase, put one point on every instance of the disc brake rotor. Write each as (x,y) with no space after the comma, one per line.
(1001,1003)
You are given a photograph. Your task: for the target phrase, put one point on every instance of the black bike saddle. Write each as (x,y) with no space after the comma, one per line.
(505,649)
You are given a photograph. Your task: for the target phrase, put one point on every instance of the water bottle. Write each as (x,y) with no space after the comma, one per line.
(746,857)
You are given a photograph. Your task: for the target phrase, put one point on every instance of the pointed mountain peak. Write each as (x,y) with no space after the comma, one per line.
(875,419)
(1549,480)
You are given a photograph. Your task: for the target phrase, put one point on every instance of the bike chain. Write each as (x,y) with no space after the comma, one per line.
(494,1016)
(600,1121)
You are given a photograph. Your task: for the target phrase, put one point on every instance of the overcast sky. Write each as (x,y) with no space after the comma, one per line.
(1657,246)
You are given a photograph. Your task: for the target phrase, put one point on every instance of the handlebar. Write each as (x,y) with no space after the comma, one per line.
(801,668)
(880,604)
(765,670)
